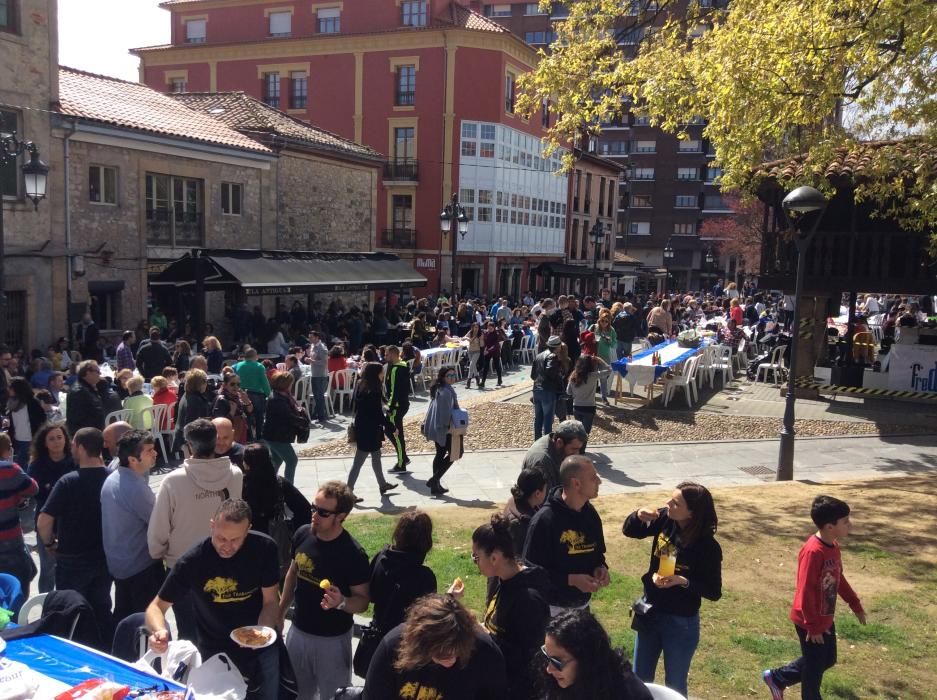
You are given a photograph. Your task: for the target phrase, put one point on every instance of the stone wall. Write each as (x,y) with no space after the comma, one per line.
(325,205)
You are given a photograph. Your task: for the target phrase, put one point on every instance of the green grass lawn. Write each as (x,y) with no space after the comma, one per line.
(891,561)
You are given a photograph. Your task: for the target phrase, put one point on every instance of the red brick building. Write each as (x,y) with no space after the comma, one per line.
(430,83)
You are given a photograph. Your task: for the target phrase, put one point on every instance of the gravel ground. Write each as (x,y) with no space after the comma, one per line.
(510,426)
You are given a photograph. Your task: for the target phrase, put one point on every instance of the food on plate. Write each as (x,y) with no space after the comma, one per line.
(252,636)
(325,584)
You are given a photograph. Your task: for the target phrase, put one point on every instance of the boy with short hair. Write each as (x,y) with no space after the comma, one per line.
(819,579)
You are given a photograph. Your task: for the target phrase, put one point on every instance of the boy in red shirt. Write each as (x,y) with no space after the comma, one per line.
(819,580)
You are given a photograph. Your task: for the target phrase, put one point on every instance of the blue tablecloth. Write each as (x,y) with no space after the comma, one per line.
(73,663)
(673,360)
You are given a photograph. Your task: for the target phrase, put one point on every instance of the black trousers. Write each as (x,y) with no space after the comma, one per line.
(487,361)
(132,595)
(396,416)
(808,669)
(442,461)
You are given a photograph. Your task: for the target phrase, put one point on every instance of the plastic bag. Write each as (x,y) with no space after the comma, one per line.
(176,664)
(218,679)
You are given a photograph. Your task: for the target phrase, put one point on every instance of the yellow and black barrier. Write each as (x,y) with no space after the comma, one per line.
(808,383)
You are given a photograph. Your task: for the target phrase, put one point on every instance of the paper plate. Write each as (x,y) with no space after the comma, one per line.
(270,633)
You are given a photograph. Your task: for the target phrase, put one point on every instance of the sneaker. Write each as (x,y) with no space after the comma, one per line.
(777,692)
(437,489)
(398,470)
(388,487)
(406,461)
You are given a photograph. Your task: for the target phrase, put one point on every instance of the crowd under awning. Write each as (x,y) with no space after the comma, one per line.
(289,272)
(561,269)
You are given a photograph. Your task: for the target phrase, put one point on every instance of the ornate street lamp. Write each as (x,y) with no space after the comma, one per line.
(668,258)
(597,234)
(799,206)
(453,219)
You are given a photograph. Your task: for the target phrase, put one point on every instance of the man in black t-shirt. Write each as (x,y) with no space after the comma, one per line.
(319,641)
(231,578)
(70,527)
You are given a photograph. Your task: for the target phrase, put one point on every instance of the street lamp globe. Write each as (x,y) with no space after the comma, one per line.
(463,222)
(668,253)
(803,200)
(710,258)
(445,221)
(36,177)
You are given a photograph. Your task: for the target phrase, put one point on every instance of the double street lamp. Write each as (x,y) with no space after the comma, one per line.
(35,179)
(452,220)
(797,205)
(597,234)
(668,258)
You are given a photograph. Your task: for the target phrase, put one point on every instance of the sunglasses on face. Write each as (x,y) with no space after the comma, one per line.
(323,512)
(556,663)
(451,375)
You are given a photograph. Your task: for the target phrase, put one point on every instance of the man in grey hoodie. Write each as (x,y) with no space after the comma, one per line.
(185,503)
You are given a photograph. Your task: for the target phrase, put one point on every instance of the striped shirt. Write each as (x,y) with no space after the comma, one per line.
(14,487)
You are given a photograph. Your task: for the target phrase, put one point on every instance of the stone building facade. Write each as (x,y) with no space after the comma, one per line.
(34,250)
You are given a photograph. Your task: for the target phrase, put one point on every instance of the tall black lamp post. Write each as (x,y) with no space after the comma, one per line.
(452,220)
(799,206)
(710,257)
(35,179)
(597,234)
(668,258)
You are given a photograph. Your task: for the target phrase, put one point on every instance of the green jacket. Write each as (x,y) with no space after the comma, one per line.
(253,377)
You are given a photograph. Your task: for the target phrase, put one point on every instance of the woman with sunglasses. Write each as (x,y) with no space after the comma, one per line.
(436,425)
(438,652)
(685,567)
(581,663)
(234,404)
(516,614)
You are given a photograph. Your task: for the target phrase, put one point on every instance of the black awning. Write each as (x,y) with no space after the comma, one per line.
(290,272)
(560,269)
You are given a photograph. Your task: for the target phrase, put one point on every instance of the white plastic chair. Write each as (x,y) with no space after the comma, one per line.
(686,380)
(660,692)
(342,386)
(157,416)
(302,392)
(125,414)
(34,603)
(721,364)
(415,377)
(740,357)
(775,365)
(704,372)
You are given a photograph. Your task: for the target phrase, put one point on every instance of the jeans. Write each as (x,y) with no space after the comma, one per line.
(281,452)
(472,369)
(319,386)
(356,463)
(21,452)
(46,567)
(674,635)
(134,593)
(264,682)
(624,348)
(604,378)
(17,562)
(544,407)
(93,581)
(585,415)
(259,401)
(808,669)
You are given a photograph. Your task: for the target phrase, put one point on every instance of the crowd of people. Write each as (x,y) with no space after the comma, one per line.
(226,541)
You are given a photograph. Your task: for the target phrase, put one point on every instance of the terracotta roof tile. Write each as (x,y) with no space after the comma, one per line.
(249,116)
(853,162)
(627,259)
(131,105)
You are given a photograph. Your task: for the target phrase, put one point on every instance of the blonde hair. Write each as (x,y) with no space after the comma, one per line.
(135,383)
(734,301)
(123,376)
(281,381)
(211,343)
(195,380)
(159,383)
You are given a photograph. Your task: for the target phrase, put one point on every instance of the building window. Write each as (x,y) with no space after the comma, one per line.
(601,208)
(645,146)
(612,186)
(684,229)
(588,202)
(533,8)
(231,193)
(195,31)
(330,20)
(174,214)
(469,148)
(102,184)
(8,18)
(10,172)
(713,174)
(177,85)
(642,173)
(640,201)
(642,120)
(690,146)
(299,89)
(545,114)
(413,13)
(404,144)
(688,173)
(686,201)
(509,92)
(640,228)
(272,89)
(403,212)
(497,10)
(406,86)
(715,201)
(281,23)
(539,37)
(630,37)
(484,214)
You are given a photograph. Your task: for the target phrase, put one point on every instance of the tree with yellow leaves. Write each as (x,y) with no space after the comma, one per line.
(772,79)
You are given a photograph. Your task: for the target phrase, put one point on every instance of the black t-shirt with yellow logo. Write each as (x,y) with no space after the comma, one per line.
(343,562)
(226,593)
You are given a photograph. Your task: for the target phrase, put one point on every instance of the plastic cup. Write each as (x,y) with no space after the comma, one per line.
(667,566)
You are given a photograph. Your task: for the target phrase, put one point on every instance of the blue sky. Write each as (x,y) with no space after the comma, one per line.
(98,40)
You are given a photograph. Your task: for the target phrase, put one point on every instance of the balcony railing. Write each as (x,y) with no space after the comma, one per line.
(405,98)
(398,238)
(180,230)
(406,170)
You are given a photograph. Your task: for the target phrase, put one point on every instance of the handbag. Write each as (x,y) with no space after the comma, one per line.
(280,530)
(302,425)
(458,422)
(642,613)
(351,434)
(371,636)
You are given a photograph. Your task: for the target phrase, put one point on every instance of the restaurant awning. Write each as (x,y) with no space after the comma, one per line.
(561,269)
(290,272)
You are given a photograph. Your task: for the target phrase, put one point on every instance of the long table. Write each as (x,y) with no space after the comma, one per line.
(640,371)
(66,664)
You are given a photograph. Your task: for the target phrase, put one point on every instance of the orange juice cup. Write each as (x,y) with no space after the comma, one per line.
(667,566)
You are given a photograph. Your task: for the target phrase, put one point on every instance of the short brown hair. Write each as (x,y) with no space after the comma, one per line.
(341,492)
(436,625)
(413,533)
(195,379)
(281,381)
